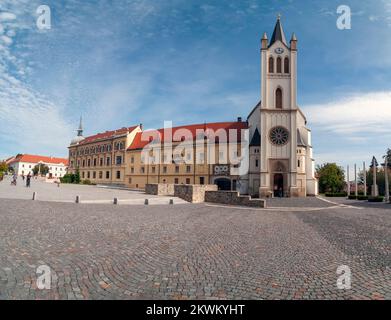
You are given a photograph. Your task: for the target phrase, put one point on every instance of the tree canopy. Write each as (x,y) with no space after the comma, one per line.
(331,178)
(41,169)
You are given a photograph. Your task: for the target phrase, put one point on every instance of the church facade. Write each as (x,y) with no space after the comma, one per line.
(281,156)
(276,149)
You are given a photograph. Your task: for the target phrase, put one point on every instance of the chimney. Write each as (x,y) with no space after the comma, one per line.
(240,119)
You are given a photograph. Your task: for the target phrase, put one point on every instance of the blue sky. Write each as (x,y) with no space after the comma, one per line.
(125,62)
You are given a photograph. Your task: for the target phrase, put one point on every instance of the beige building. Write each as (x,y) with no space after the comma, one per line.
(101,158)
(194,154)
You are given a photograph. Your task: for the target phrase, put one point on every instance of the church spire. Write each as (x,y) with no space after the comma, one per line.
(80,130)
(278,33)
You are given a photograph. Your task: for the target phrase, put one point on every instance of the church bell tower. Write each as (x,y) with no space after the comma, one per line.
(279,115)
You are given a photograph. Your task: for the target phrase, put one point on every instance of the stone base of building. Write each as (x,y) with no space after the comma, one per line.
(294,192)
(265,193)
(233,198)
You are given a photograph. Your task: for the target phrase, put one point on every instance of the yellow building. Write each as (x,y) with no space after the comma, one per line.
(193,154)
(101,158)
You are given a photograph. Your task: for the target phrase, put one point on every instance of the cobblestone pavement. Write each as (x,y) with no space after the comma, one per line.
(68,192)
(191,252)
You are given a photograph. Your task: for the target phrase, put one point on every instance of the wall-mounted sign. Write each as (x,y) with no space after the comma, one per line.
(221,170)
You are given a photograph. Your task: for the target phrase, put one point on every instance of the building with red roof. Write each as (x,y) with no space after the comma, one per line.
(208,153)
(100,158)
(23,164)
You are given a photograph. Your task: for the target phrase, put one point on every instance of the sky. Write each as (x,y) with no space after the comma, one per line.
(125,62)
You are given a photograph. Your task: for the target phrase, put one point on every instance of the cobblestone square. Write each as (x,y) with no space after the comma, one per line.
(289,251)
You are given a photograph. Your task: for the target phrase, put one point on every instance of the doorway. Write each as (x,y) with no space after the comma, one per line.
(223,184)
(278,185)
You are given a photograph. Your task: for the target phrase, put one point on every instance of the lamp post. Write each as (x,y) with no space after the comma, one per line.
(375,190)
(348,178)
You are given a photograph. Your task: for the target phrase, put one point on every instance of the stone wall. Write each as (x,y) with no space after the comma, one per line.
(193,193)
(160,189)
(233,198)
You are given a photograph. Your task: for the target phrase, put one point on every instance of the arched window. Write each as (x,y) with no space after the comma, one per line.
(271,65)
(279,65)
(279,98)
(286,65)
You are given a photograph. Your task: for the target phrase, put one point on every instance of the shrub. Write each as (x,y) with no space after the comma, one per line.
(376,199)
(362,198)
(352,197)
(68,178)
(86,182)
(336,195)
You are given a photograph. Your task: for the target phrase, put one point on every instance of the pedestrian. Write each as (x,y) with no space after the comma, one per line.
(28,181)
(23,177)
(281,193)
(14,179)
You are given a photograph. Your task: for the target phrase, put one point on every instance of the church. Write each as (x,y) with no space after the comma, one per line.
(281,156)
(278,149)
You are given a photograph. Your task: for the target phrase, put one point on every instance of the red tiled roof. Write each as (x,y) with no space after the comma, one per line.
(107,135)
(36,159)
(139,140)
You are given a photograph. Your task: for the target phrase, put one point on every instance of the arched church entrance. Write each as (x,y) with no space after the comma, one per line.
(278,185)
(223,184)
(279,178)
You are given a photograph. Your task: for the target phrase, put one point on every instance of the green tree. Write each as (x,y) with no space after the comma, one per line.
(41,169)
(3,167)
(77,177)
(331,178)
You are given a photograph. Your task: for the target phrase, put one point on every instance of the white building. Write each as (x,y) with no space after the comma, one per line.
(281,159)
(24,164)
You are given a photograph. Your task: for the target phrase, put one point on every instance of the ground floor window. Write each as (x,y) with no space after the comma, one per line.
(88,175)
(107,174)
(100,174)
(176,180)
(187,181)
(94,175)
(83,175)
(130,180)
(202,180)
(118,175)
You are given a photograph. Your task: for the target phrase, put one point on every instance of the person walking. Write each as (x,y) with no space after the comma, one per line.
(28,181)
(14,179)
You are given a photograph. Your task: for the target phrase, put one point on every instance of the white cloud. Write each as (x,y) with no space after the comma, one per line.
(29,122)
(7,16)
(355,116)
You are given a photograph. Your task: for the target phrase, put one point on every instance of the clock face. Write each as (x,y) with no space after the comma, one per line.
(279,136)
(279,50)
